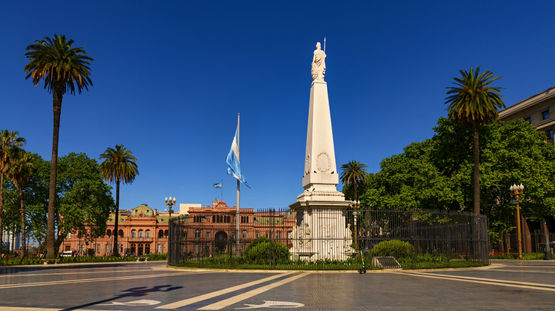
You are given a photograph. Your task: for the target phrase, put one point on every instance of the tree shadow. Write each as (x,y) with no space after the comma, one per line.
(131,292)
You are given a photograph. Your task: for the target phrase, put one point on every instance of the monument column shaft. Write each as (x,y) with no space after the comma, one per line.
(320,167)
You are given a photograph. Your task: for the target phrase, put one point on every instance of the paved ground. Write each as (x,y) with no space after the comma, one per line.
(507,285)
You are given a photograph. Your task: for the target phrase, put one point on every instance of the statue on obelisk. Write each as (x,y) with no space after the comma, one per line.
(322,231)
(318,70)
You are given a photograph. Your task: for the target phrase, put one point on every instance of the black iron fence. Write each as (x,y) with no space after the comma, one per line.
(327,233)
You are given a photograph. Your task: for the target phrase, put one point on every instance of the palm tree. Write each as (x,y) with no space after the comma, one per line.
(473,102)
(352,174)
(9,143)
(20,173)
(119,166)
(63,69)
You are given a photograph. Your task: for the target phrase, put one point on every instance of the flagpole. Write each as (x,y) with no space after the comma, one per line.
(222,190)
(238,188)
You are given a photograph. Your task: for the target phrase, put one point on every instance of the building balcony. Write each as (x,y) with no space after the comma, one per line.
(138,239)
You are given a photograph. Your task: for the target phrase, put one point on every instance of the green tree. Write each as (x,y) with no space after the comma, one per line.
(9,144)
(515,152)
(353,173)
(119,165)
(83,202)
(63,68)
(436,174)
(20,173)
(474,102)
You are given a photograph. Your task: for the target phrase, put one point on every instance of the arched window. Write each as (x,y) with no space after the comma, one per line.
(147,234)
(109,232)
(197,234)
(160,233)
(166,233)
(141,233)
(133,233)
(121,233)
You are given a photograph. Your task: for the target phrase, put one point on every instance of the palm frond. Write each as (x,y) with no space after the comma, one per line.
(119,165)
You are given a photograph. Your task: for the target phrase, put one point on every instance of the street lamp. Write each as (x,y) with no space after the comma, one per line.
(516,191)
(170,202)
(356,205)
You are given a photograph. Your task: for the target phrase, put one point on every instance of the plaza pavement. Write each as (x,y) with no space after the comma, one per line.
(506,285)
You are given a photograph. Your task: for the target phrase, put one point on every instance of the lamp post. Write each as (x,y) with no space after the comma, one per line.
(356,205)
(516,191)
(170,202)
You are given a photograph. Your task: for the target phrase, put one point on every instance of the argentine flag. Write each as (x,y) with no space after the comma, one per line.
(232,160)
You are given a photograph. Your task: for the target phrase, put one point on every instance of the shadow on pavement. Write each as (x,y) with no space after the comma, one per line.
(131,292)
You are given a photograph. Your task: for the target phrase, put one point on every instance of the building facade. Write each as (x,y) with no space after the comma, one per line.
(209,230)
(539,110)
(141,231)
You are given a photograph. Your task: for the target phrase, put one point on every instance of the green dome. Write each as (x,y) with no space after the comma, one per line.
(142,209)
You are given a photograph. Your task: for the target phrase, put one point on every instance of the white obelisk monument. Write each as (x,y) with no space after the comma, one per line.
(321,231)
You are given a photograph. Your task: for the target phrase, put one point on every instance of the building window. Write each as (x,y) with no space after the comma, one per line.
(133,233)
(244,234)
(278,235)
(549,133)
(68,248)
(197,234)
(160,233)
(147,234)
(185,234)
(208,235)
(109,232)
(528,119)
(121,233)
(545,115)
(257,235)
(140,233)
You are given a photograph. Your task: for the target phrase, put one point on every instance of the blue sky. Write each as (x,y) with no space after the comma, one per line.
(170,77)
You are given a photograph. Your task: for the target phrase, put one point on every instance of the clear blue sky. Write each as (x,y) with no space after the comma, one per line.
(170,78)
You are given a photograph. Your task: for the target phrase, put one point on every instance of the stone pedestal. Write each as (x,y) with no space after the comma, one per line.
(321,231)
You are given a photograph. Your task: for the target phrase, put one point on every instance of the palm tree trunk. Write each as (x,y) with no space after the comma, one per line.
(1,212)
(476,175)
(355,190)
(116,247)
(50,247)
(22,212)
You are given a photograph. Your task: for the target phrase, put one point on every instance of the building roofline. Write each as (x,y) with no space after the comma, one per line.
(528,102)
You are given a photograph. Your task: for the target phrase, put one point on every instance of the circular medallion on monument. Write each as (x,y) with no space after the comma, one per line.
(323,162)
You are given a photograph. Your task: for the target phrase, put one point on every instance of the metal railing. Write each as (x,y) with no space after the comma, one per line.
(330,231)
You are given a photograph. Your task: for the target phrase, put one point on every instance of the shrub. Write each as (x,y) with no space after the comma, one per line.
(265,251)
(395,248)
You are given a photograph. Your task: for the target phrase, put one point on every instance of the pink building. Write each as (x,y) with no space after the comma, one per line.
(141,231)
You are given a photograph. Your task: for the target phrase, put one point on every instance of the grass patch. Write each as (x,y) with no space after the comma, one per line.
(425,261)
(440,265)
(62,260)
(525,256)
(225,262)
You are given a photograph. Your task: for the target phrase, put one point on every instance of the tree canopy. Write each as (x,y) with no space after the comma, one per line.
(436,173)
(84,200)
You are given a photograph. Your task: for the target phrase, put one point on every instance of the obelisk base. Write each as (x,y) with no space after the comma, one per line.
(321,232)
